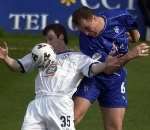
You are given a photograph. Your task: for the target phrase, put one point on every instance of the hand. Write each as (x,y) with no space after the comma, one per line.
(112,64)
(58,45)
(139,51)
(3,51)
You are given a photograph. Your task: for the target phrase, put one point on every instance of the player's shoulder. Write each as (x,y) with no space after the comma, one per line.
(72,56)
(114,13)
(76,54)
(71,53)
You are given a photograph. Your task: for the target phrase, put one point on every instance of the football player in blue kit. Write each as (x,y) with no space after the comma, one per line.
(104,35)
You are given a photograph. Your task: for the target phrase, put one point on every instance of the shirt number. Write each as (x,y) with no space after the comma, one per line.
(65,121)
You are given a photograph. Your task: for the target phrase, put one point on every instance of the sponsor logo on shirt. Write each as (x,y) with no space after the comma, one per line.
(116,29)
(96,56)
(51,69)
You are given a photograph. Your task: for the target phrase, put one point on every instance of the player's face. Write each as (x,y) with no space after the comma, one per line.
(89,27)
(51,36)
(54,40)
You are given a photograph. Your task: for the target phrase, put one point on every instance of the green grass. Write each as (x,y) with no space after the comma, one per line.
(16,90)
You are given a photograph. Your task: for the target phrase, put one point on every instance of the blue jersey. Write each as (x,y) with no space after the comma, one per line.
(113,39)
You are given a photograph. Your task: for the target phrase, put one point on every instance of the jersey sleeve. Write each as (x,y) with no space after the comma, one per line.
(128,20)
(26,63)
(85,63)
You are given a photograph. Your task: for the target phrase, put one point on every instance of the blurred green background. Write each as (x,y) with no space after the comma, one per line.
(16,90)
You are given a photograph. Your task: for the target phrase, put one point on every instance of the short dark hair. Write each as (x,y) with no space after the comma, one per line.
(58,29)
(81,13)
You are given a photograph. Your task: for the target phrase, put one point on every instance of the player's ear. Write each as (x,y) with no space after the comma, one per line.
(61,37)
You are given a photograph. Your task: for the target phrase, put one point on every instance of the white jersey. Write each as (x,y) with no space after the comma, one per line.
(53,107)
(63,78)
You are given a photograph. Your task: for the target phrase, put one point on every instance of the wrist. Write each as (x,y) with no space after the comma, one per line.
(130,56)
(6,59)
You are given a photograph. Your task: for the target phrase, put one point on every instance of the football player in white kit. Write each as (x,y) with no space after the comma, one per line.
(52,108)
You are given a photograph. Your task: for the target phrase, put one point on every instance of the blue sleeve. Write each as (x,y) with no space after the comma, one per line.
(123,16)
(88,47)
(128,20)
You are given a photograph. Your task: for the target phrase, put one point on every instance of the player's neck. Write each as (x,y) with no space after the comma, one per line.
(100,24)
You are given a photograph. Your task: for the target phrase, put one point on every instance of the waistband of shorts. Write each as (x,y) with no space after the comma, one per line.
(41,94)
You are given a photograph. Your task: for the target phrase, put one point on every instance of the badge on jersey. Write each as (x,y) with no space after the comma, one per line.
(51,69)
(96,56)
(116,29)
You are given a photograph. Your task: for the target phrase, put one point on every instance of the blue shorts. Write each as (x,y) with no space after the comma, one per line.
(110,92)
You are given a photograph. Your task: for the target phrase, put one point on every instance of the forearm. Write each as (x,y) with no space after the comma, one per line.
(124,59)
(138,51)
(111,65)
(98,68)
(12,64)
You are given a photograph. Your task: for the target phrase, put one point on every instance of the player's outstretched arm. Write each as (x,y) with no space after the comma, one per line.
(10,62)
(140,50)
(112,64)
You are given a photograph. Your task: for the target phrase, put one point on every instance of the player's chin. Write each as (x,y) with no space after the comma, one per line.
(93,35)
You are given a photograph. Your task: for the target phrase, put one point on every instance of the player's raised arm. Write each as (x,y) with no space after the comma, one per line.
(10,62)
(112,64)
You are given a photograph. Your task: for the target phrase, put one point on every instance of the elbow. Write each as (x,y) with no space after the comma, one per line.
(135,36)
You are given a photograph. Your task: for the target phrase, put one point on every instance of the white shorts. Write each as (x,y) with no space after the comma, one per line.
(49,113)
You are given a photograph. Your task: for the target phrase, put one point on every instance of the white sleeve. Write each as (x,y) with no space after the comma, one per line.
(85,63)
(26,63)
